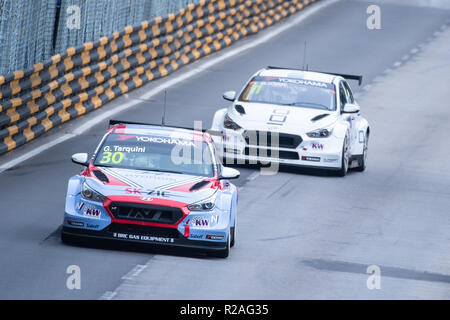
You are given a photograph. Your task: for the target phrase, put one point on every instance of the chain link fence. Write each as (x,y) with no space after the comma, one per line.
(26,33)
(32,31)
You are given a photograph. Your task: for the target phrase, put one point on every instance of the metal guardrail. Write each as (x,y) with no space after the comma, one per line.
(86,77)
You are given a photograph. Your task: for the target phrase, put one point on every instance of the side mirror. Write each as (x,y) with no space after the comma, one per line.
(229,173)
(351,108)
(81,158)
(229,95)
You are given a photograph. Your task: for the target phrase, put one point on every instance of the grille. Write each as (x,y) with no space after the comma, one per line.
(285,140)
(288,155)
(143,230)
(145,213)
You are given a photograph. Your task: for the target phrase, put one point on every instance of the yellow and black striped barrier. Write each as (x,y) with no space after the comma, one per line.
(85,78)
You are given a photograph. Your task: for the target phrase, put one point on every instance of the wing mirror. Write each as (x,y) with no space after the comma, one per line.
(81,158)
(351,108)
(229,173)
(229,95)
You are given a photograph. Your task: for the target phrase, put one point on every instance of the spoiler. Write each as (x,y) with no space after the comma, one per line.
(343,75)
(114,122)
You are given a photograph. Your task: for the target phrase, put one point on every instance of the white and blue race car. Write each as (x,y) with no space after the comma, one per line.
(293,117)
(153,184)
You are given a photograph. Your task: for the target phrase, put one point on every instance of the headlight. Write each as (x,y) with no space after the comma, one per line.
(229,123)
(320,133)
(90,194)
(204,205)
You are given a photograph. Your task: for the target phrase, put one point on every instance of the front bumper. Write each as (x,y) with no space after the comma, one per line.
(138,235)
(323,153)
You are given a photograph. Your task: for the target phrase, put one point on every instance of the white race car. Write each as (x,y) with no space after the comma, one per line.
(294,117)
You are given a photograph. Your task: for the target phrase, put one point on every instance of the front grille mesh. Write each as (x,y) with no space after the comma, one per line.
(145,213)
(263,138)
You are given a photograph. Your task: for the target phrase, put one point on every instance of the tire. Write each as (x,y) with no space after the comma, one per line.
(344,162)
(363,162)
(233,234)
(225,252)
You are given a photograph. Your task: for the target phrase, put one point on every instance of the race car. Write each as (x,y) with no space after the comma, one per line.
(153,184)
(294,117)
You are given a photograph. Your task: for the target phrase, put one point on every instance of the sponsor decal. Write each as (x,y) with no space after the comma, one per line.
(92,212)
(165,140)
(93,226)
(146,198)
(124,149)
(80,205)
(305,82)
(196,236)
(317,146)
(133,191)
(214,237)
(200,222)
(306,158)
(142,238)
(75,223)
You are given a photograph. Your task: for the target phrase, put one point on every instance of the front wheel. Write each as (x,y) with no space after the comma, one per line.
(344,162)
(224,252)
(362,165)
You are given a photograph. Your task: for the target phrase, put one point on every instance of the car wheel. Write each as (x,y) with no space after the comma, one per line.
(225,252)
(344,162)
(363,162)
(233,234)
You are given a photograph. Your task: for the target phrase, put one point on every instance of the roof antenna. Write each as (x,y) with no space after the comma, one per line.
(163,120)
(304,57)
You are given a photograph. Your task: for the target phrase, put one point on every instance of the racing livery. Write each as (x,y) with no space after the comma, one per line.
(153,184)
(294,117)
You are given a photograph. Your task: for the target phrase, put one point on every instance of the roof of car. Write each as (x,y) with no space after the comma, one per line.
(160,131)
(297,74)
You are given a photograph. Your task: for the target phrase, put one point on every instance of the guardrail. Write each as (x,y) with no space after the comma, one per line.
(85,78)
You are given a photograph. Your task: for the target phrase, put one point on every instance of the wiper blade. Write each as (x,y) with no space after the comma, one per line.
(301,103)
(167,171)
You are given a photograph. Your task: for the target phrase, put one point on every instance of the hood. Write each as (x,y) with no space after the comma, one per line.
(161,185)
(288,119)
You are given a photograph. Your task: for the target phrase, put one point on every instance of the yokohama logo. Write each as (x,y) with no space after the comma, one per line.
(165,140)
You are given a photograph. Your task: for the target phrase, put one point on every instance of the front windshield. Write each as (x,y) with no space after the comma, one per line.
(292,92)
(154,153)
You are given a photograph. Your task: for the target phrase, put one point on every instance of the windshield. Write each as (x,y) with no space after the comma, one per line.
(292,92)
(154,153)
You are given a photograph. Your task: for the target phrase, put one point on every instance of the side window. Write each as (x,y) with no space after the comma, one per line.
(342,95)
(349,93)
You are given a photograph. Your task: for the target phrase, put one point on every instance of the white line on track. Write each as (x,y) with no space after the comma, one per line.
(268,34)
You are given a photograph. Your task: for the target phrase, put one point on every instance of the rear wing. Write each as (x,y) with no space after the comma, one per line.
(114,122)
(343,75)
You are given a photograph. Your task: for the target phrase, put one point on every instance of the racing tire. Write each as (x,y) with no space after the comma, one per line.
(362,165)
(224,252)
(233,234)
(344,162)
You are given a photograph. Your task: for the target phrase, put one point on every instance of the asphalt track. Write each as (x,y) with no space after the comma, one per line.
(301,234)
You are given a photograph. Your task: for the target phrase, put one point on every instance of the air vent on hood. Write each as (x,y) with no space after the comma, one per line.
(198,185)
(320,116)
(239,109)
(100,176)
